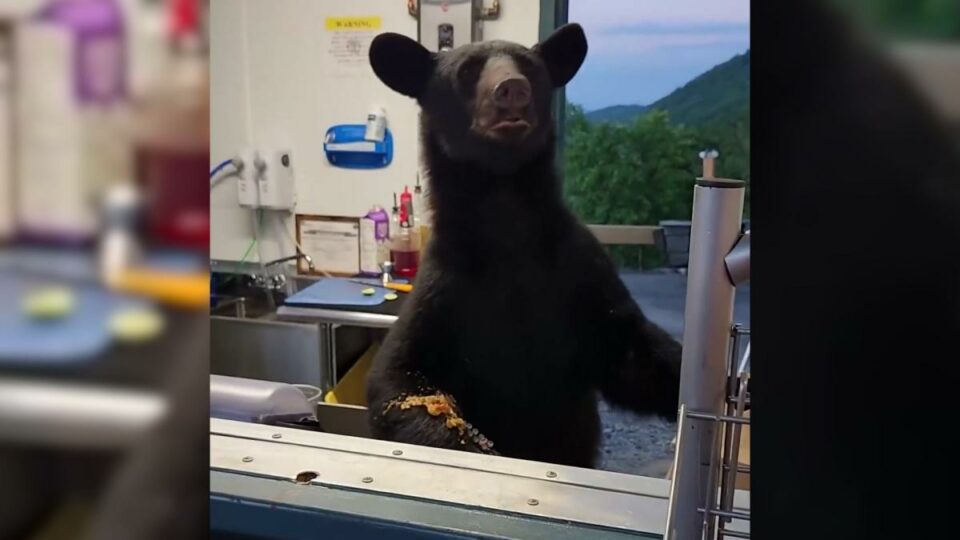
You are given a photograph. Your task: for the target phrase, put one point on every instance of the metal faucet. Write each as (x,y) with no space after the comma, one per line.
(298,256)
(277,282)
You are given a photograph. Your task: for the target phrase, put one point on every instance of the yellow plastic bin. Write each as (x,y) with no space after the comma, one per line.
(351,389)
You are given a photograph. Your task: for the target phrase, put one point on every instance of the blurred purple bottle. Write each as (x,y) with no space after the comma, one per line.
(99,51)
(72,91)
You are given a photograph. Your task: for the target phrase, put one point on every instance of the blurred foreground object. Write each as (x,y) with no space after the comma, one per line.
(6,129)
(102,429)
(119,246)
(50,322)
(136,325)
(936,69)
(71,63)
(161,490)
(82,416)
(182,290)
(911,20)
(172,138)
(49,303)
(864,178)
(923,38)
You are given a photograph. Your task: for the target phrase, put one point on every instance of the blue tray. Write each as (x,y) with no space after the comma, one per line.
(338,292)
(345,147)
(76,338)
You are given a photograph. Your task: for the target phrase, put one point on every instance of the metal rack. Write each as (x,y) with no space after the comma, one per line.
(717,514)
(717,509)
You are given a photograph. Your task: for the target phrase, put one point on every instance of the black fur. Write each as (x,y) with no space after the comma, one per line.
(517,312)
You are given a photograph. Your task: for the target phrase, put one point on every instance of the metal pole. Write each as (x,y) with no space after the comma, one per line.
(737,261)
(328,357)
(708,315)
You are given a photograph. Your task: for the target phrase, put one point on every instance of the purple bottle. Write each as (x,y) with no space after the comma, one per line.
(374,231)
(71,71)
(381,223)
(99,52)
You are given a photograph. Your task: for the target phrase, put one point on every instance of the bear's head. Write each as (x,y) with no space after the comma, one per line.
(485,103)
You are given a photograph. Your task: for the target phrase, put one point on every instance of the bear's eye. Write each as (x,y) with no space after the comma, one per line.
(525,65)
(469,74)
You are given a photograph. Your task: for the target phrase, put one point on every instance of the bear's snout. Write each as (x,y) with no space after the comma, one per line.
(504,110)
(512,93)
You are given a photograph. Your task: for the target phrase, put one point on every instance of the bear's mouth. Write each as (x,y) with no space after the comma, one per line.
(510,124)
(510,128)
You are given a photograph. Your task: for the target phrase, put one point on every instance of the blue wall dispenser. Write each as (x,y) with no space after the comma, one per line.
(345,147)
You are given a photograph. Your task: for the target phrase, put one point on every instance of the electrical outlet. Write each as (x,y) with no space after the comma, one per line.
(247,191)
(276,185)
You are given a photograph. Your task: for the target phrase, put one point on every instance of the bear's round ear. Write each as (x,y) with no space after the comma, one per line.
(563,53)
(401,63)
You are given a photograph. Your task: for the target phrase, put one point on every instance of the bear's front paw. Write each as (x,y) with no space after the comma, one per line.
(477,441)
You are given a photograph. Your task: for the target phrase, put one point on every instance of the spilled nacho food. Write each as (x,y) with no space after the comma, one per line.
(436,405)
(441,405)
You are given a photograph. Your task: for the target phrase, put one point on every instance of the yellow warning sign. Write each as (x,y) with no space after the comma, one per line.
(345,24)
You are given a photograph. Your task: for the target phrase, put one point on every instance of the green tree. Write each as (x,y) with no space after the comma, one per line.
(642,172)
(633,174)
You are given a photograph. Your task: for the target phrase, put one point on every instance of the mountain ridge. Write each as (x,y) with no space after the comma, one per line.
(719,94)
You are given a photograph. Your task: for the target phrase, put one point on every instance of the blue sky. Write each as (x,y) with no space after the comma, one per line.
(641,50)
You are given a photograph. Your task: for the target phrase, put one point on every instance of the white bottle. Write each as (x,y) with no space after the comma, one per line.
(376,125)
(119,248)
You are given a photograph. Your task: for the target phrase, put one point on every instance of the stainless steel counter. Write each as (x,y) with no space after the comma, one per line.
(328,464)
(336,317)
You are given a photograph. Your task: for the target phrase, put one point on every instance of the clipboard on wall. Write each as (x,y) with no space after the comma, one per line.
(333,242)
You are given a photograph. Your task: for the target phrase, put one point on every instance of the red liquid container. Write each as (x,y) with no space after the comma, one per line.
(405,263)
(405,252)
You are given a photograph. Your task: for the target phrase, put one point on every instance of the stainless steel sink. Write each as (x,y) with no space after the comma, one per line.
(230,307)
(247,340)
(242,307)
(256,303)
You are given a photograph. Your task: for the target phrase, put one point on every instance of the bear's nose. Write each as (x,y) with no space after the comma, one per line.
(512,93)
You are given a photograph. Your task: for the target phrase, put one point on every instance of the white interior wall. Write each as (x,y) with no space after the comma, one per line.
(269,90)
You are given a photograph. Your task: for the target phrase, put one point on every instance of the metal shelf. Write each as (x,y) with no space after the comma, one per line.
(718,510)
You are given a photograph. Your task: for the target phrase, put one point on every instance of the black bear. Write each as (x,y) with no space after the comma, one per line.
(518,316)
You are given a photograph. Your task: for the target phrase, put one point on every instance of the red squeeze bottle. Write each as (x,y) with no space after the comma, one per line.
(406,206)
(184,17)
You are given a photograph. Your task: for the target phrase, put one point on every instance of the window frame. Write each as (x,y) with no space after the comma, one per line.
(554,14)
